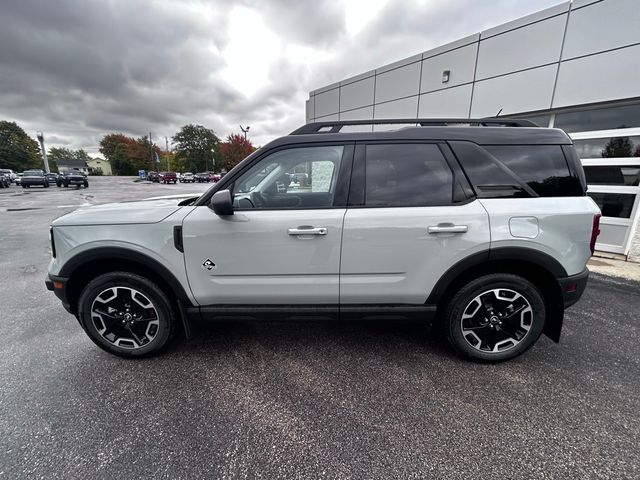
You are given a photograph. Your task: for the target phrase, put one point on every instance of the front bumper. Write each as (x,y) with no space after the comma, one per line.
(58,285)
(573,287)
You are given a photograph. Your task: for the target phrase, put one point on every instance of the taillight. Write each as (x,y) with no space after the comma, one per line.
(595,231)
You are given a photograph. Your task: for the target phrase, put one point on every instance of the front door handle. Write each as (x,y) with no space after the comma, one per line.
(308,231)
(447,228)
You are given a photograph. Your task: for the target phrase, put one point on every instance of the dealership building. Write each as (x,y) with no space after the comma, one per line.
(575,66)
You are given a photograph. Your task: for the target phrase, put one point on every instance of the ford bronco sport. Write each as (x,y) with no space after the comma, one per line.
(482,226)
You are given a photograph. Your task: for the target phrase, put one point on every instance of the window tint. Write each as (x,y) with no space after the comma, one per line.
(541,167)
(293,178)
(627,175)
(407,175)
(614,204)
(606,118)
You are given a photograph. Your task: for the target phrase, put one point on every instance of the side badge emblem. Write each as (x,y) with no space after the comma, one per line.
(208,264)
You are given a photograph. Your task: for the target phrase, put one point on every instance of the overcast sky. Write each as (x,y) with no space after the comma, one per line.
(80,69)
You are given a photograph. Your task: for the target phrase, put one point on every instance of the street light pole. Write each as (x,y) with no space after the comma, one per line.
(245,131)
(40,136)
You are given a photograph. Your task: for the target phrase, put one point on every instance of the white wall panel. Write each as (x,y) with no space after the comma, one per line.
(405,108)
(357,94)
(309,109)
(327,118)
(519,92)
(602,26)
(327,103)
(365,113)
(596,78)
(460,62)
(452,102)
(531,46)
(398,83)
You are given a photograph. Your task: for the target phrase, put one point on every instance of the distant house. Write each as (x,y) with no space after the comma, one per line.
(96,164)
(66,165)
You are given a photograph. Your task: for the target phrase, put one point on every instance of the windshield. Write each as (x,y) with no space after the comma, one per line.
(34,173)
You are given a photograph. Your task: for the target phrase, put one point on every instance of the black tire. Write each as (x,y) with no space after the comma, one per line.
(86,184)
(516,331)
(147,291)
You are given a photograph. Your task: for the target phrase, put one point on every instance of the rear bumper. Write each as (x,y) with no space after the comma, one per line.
(573,287)
(58,285)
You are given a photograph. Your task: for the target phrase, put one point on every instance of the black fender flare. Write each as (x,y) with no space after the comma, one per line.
(121,253)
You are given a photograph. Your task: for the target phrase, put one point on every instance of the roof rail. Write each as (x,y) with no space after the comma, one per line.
(335,127)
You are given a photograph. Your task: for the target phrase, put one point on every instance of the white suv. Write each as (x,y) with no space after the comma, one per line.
(482,226)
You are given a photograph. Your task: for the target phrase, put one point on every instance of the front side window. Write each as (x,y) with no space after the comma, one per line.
(293,178)
(407,175)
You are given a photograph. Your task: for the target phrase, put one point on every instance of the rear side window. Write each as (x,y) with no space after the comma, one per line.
(542,167)
(407,175)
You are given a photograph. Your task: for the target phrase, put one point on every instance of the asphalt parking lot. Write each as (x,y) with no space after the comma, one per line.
(301,400)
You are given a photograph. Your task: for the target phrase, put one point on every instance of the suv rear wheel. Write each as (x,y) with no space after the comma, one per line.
(495,317)
(126,314)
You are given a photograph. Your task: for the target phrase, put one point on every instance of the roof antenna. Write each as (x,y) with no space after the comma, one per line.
(499,112)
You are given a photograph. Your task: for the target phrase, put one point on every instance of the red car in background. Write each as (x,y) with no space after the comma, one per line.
(168,177)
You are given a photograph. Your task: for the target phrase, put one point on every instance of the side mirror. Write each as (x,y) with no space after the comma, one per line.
(221,203)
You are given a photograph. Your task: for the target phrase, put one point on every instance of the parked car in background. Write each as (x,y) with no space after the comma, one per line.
(153,177)
(9,173)
(203,177)
(18,178)
(187,177)
(32,178)
(73,177)
(168,177)
(5,180)
(215,177)
(52,177)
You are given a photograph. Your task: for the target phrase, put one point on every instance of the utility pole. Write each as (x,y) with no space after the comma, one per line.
(166,143)
(40,136)
(151,152)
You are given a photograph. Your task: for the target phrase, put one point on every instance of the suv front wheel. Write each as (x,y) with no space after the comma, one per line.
(495,317)
(126,314)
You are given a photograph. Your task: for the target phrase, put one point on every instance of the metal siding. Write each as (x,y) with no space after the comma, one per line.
(358,94)
(602,26)
(405,108)
(327,103)
(460,62)
(365,113)
(398,83)
(451,102)
(597,78)
(526,91)
(531,46)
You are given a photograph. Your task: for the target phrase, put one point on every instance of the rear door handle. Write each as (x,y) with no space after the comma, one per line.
(308,231)
(447,228)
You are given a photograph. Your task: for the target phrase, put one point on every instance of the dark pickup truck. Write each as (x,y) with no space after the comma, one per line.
(72,178)
(168,177)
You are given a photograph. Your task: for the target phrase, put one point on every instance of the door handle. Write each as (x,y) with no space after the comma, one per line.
(447,228)
(307,231)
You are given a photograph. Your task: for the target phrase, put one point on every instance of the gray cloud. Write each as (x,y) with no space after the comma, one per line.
(80,69)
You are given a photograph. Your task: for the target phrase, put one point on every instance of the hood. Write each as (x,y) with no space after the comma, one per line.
(125,213)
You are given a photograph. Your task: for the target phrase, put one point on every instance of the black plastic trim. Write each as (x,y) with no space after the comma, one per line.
(580,281)
(177,238)
(104,253)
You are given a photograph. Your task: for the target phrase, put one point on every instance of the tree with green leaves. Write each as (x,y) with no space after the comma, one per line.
(234,150)
(18,151)
(617,147)
(197,146)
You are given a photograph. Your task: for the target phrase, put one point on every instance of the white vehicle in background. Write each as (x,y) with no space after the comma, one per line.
(9,173)
(482,226)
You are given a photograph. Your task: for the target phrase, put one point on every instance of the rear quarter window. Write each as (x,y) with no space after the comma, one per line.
(543,168)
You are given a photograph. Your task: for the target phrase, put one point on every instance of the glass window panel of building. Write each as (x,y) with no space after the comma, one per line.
(613,147)
(603,118)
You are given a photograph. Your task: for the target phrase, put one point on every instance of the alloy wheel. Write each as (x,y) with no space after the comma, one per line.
(496,320)
(125,317)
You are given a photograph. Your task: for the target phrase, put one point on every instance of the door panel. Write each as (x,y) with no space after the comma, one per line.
(257,260)
(389,256)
